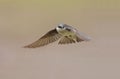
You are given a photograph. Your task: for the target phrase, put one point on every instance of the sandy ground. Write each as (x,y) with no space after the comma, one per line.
(22,23)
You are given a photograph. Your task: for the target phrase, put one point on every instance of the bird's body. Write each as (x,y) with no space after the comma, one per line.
(67,33)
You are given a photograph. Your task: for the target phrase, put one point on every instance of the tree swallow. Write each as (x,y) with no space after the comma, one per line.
(66,33)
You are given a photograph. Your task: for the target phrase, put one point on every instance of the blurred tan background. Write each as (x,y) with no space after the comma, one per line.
(24,21)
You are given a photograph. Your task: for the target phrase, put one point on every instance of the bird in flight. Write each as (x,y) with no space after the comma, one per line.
(66,34)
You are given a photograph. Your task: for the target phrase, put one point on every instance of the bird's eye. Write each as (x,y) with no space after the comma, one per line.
(60,26)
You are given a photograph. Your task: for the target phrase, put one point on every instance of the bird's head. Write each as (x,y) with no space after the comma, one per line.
(60,27)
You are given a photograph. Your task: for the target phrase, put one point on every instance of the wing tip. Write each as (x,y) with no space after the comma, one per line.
(29,46)
(88,39)
(85,38)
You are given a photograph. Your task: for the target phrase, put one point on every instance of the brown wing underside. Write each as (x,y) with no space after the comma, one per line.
(49,37)
(67,40)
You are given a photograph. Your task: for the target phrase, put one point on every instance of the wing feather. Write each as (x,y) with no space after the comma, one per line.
(66,40)
(82,37)
(49,37)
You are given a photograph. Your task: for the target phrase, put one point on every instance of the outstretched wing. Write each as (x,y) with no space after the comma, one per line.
(49,37)
(82,37)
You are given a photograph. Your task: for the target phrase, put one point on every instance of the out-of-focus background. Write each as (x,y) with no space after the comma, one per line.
(24,21)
